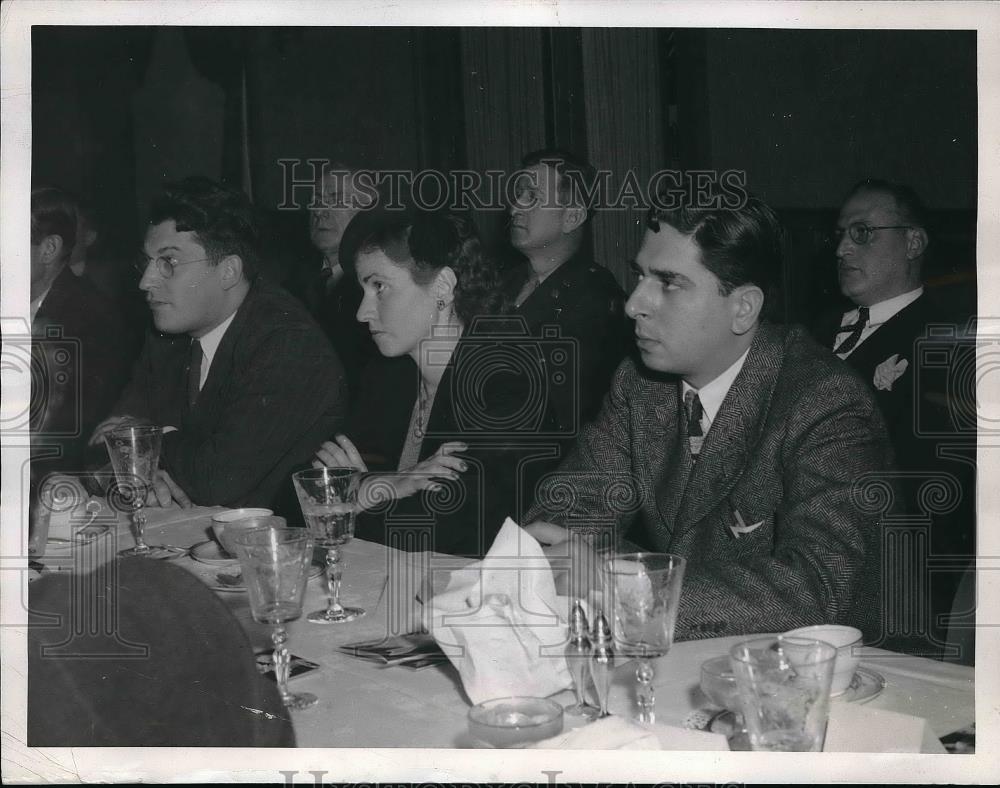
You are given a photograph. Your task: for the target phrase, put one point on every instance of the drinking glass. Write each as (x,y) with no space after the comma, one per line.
(645,590)
(784,689)
(275,565)
(719,685)
(135,458)
(329,501)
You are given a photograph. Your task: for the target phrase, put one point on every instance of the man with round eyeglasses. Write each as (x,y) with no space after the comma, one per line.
(239,376)
(881,251)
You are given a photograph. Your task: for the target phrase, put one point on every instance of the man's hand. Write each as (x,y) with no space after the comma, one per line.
(113,423)
(339,453)
(166,491)
(575,566)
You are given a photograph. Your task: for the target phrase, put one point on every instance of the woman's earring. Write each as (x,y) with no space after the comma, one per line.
(440,305)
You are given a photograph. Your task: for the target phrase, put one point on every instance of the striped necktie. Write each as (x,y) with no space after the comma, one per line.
(855,332)
(692,405)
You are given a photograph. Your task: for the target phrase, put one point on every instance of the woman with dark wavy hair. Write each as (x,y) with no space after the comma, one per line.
(453,416)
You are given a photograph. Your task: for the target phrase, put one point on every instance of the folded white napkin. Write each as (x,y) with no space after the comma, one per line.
(500,624)
(619,733)
(854,727)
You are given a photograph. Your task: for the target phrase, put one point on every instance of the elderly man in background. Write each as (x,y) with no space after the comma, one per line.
(560,285)
(240,377)
(332,298)
(741,442)
(882,249)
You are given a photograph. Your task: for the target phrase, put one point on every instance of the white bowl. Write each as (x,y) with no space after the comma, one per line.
(227,521)
(230,515)
(846,640)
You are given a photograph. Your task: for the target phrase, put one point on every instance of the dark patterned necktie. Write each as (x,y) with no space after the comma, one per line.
(852,339)
(194,372)
(692,405)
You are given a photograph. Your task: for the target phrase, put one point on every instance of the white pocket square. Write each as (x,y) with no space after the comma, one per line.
(742,527)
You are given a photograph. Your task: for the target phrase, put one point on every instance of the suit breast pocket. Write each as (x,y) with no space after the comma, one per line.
(745,527)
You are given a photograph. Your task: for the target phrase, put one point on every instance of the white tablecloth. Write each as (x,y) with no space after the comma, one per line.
(365,705)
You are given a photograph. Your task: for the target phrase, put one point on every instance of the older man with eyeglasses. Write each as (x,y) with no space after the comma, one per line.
(242,380)
(882,244)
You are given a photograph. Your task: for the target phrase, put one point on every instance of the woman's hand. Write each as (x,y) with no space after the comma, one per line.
(427,474)
(339,453)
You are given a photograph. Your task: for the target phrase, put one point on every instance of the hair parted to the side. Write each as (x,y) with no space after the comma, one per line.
(740,245)
(576,176)
(223,219)
(909,206)
(424,242)
(54,211)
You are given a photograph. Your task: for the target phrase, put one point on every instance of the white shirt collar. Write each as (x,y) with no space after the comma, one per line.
(885,310)
(878,314)
(712,394)
(210,344)
(36,303)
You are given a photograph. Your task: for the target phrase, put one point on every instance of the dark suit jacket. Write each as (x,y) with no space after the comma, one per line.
(586,303)
(935,457)
(141,654)
(335,309)
(508,427)
(81,346)
(274,393)
(920,419)
(796,432)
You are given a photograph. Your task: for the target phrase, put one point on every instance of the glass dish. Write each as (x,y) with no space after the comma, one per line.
(514,722)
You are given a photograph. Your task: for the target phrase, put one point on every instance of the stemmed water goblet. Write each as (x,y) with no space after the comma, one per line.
(275,565)
(644,590)
(135,458)
(329,501)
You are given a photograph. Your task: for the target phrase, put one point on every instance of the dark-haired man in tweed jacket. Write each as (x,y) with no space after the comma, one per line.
(738,444)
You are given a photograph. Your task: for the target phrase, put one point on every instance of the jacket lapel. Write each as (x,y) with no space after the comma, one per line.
(222,362)
(734,431)
(895,336)
(669,461)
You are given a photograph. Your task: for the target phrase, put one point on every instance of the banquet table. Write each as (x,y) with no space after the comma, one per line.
(362,703)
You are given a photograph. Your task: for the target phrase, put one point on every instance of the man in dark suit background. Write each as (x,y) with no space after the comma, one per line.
(319,282)
(881,254)
(240,377)
(80,343)
(559,284)
(736,443)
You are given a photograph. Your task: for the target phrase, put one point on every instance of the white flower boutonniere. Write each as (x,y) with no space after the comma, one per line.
(889,371)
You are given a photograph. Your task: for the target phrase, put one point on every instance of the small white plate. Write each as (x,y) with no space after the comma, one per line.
(209,552)
(865,685)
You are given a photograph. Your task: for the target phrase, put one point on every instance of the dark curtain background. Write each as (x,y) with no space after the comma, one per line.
(804,113)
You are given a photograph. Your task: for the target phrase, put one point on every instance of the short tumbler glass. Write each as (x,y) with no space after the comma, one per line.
(784,689)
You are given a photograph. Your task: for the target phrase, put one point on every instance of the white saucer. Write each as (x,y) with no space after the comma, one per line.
(314,571)
(865,685)
(209,552)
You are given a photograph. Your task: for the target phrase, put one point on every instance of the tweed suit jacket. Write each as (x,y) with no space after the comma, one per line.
(274,393)
(770,519)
